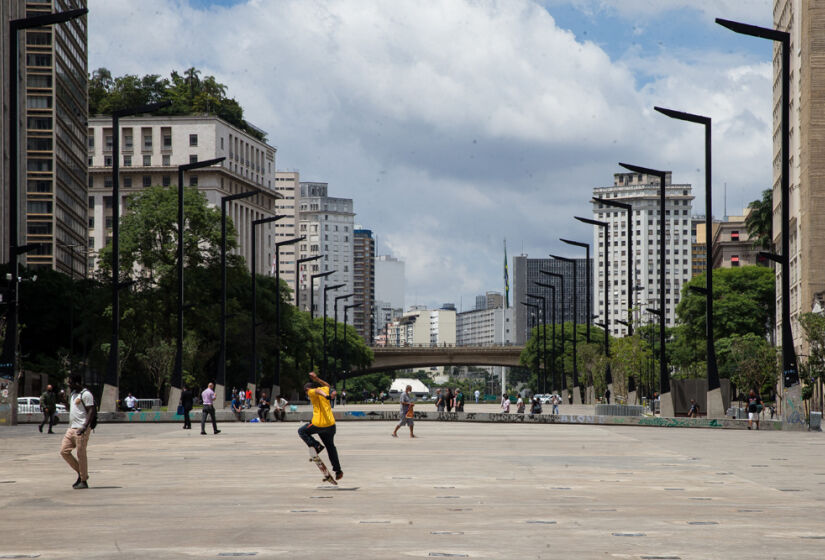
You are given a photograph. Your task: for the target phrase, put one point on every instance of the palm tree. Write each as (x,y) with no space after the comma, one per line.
(760,221)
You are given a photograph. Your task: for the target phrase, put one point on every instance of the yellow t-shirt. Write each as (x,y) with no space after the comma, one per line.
(321,410)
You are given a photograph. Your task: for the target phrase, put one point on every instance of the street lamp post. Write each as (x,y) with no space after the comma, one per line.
(177,374)
(335,322)
(605,265)
(312,290)
(560,277)
(789,367)
(577,397)
(298,264)
(664,379)
(661,315)
(630,251)
(111,383)
(715,405)
(589,280)
(543,315)
(8,359)
(346,348)
(220,376)
(534,315)
(278,246)
(324,364)
(553,344)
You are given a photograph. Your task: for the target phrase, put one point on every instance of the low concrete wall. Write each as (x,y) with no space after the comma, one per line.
(482,417)
(618,410)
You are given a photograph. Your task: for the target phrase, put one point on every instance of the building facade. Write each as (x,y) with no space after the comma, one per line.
(287,187)
(53,184)
(363,261)
(152,148)
(420,326)
(732,246)
(805,22)
(389,281)
(485,327)
(642,192)
(526,272)
(328,225)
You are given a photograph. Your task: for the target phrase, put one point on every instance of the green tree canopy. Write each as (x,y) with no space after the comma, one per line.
(760,220)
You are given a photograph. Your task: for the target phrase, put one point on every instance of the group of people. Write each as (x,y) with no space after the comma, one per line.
(449,400)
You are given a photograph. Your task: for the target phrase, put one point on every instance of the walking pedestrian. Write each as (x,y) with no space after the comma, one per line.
(187,401)
(48,406)
(449,400)
(82,413)
(439,400)
(322,423)
(754,408)
(477,394)
(208,398)
(459,400)
(505,403)
(520,405)
(406,412)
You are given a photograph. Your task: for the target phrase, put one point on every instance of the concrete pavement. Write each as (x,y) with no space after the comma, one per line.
(460,490)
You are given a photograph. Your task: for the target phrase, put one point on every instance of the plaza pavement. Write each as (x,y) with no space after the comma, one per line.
(460,490)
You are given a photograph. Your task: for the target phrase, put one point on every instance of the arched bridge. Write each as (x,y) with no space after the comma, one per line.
(404,357)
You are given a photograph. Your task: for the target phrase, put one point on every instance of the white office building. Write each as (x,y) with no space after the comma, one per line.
(152,148)
(642,192)
(485,327)
(287,185)
(389,281)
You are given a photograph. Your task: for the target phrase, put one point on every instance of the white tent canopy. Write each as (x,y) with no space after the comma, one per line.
(400,385)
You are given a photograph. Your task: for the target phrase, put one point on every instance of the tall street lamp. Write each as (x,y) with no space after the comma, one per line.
(577,397)
(553,344)
(220,376)
(346,348)
(534,316)
(659,313)
(335,321)
(312,290)
(664,379)
(278,246)
(298,264)
(177,374)
(630,251)
(542,384)
(606,266)
(789,368)
(327,289)
(252,378)
(8,359)
(589,280)
(560,278)
(716,407)
(108,401)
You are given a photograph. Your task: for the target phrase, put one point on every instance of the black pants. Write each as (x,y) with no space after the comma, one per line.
(263,413)
(327,436)
(187,422)
(48,416)
(208,409)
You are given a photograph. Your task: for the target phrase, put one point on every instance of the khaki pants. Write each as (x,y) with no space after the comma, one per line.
(71,441)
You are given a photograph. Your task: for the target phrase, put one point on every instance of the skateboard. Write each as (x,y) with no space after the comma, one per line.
(315,458)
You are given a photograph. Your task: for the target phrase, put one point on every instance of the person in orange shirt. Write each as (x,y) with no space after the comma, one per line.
(322,423)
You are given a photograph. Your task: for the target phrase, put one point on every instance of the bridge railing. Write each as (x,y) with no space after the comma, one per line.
(444,345)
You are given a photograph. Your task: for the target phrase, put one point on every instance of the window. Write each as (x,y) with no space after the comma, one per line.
(127,141)
(147,180)
(38,81)
(39,207)
(107,141)
(193,181)
(166,160)
(734,235)
(734,261)
(107,161)
(193,159)
(147,161)
(39,123)
(221,143)
(91,202)
(127,161)
(108,222)
(39,228)
(91,243)
(39,186)
(167,140)
(107,201)
(127,182)
(39,165)
(167,180)
(193,140)
(91,139)
(39,60)
(38,102)
(147,141)
(91,222)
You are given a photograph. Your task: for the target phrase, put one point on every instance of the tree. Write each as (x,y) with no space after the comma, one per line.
(756,364)
(812,369)
(629,356)
(760,221)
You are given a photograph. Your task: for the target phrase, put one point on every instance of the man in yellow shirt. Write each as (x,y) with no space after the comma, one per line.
(322,423)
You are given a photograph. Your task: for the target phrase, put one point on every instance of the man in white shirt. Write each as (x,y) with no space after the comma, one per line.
(131,402)
(280,408)
(82,414)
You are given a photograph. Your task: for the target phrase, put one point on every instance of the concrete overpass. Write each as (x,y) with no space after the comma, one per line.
(405,357)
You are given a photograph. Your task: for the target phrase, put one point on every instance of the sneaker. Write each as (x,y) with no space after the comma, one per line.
(217,431)
(40,427)
(203,433)
(80,485)
(319,449)
(339,475)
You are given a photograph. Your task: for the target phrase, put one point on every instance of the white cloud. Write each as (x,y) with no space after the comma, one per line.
(453,124)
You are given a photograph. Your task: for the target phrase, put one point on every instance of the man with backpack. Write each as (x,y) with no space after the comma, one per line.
(82,420)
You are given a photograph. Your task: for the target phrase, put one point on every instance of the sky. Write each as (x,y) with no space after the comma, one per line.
(457,124)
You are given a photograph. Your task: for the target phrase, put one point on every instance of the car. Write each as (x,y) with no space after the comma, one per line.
(31,405)
(544,399)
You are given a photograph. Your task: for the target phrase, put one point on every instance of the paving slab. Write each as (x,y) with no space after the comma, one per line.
(459,490)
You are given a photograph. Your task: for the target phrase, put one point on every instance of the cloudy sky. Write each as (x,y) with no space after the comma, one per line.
(454,124)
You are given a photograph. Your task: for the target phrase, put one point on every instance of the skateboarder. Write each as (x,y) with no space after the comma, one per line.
(322,423)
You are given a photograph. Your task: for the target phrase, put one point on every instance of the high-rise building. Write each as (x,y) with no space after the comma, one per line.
(287,186)
(699,252)
(420,326)
(732,246)
(389,281)
(642,192)
(55,186)
(328,225)
(490,300)
(152,148)
(485,327)
(363,261)
(526,272)
(805,21)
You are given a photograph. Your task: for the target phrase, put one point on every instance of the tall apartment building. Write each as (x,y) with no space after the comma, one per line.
(526,272)
(152,148)
(485,327)
(52,114)
(420,326)
(805,21)
(490,300)
(699,252)
(363,261)
(390,281)
(328,225)
(287,186)
(642,192)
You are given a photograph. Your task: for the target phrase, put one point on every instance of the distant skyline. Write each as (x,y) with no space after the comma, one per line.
(454,124)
